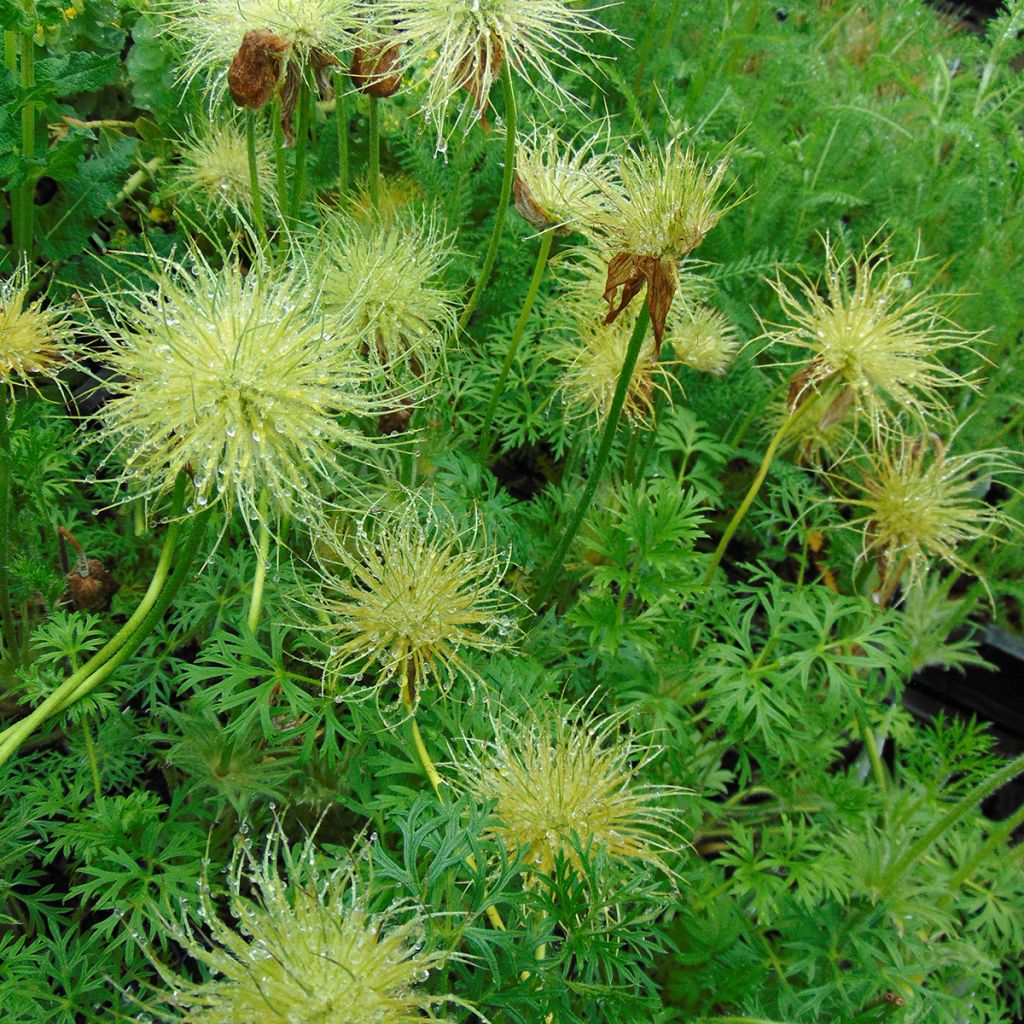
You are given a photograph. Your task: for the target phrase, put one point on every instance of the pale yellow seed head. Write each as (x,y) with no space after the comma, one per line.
(35,340)
(869,331)
(301,948)
(700,336)
(558,185)
(662,205)
(407,596)
(237,379)
(462,44)
(556,776)
(389,280)
(212,170)
(923,505)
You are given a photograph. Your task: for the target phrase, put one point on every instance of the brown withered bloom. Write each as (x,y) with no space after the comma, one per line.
(659,211)
(376,70)
(257,68)
(90,587)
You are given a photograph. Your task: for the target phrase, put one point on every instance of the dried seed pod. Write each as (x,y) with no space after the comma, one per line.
(90,587)
(256,68)
(375,70)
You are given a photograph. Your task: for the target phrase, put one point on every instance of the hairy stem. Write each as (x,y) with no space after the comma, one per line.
(254,178)
(9,633)
(341,123)
(127,638)
(374,171)
(600,461)
(28,145)
(511,121)
(513,345)
(305,102)
(280,163)
(90,753)
(259,579)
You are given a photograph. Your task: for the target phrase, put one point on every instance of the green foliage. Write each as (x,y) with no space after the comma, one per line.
(828,860)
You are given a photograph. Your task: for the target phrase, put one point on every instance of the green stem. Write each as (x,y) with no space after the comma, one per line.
(254,178)
(90,753)
(10,635)
(511,121)
(517,334)
(871,746)
(262,558)
(956,813)
(341,123)
(28,144)
(603,451)
(14,196)
(301,149)
(280,161)
(998,837)
(13,736)
(374,171)
(762,472)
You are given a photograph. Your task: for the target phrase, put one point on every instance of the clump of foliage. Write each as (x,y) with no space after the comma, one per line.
(476,479)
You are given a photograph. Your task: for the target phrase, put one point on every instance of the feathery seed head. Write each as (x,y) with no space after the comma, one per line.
(464,44)
(662,205)
(211,30)
(304,949)
(558,185)
(868,330)
(213,170)
(238,380)
(412,593)
(555,776)
(388,281)
(921,504)
(656,213)
(34,340)
(701,337)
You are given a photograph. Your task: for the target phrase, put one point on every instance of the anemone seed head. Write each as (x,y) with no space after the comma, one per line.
(463,44)
(662,205)
(868,329)
(558,185)
(303,948)
(212,30)
(412,593)
(213,170)
(389,280)
(237,379)
(34,340)
(555,776)
(921,504)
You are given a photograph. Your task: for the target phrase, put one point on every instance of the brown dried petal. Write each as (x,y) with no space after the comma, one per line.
(374,70)
(256,68)
(470,74)
(289,98)
(322,62)
(630,273)
(527,207)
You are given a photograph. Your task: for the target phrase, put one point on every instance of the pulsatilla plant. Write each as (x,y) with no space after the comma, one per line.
(241,381)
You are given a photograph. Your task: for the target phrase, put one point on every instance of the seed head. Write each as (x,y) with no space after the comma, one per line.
(662,205)
(701,337)
(35,341)
(464,43)
(213,171)
(413,593)
(554,776)
(237,379)
(304,949)
(922,504)
(867,329)
(558,185)
(212,31)
(388,280)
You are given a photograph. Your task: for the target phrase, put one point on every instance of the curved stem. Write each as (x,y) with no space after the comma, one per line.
(301,148)
(262,558)
(997,838)
(762,472)
(517,334)
(374,172)
(511,120)
(12,736)
(341,123)
(603,451)
(254,177)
